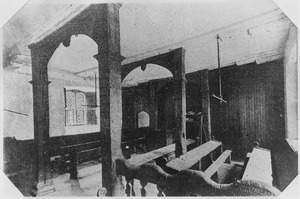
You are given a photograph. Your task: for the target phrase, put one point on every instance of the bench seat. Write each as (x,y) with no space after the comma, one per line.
(192,157)
(218,163)
(152,155)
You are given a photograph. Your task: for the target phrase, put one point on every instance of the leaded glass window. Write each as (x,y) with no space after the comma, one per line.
(75,108)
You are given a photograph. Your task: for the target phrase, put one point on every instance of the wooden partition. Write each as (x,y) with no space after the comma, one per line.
(255,106)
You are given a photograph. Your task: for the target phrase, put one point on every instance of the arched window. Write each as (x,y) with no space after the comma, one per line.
(143,119)
(75,108)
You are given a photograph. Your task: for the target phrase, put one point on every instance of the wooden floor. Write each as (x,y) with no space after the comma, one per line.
(89,182)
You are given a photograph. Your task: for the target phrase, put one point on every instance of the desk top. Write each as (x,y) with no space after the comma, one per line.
(259,166)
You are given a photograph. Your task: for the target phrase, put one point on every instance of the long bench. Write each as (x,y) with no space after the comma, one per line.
(186,181)
(152,155)
(192,157)
(214,167)
(70,151)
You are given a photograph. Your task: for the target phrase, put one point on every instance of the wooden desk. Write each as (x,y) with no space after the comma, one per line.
(259,166)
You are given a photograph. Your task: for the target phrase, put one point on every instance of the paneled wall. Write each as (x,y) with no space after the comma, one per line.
(134,100)
(254,111)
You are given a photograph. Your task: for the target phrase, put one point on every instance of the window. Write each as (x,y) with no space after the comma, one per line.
(80,108)
(75,108)
(143,119)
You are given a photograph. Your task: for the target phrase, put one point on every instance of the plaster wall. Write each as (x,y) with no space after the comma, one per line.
(291,84)
(17,97)
(17,92)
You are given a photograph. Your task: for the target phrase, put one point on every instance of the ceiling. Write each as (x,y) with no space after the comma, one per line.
(147,28)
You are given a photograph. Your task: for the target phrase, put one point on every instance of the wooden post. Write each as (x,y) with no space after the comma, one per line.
(73,164)
(109,59)
(42,184)
(205,107)
(205,99)
(180,101)
(152,106)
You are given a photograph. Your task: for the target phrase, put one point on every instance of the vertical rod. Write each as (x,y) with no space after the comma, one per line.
(219,68)
(220,84)
(96,91)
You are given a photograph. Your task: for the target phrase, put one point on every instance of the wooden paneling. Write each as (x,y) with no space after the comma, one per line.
(128,108)
(254,111)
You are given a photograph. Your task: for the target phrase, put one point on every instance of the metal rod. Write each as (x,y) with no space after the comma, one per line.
(219,98)
(15,112)
(219,68)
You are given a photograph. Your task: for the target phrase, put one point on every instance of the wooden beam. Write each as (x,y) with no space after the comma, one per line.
(179,101)
(153,105)
(192,157)
(213,168)
(205,102)
(42,183)
(107,36)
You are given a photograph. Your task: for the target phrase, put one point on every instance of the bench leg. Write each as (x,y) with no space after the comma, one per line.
(228,160)
(73,165)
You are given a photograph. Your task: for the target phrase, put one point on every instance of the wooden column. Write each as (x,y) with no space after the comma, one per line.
(180,101)
(205,99)
(152,105)
(109,61)
(42,184)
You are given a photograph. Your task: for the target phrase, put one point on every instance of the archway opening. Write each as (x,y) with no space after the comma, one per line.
(143,119)
(152,71)
(72,93)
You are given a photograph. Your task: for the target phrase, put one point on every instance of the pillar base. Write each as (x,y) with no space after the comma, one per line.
(42,189)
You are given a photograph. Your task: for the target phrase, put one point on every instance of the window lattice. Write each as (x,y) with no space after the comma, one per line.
(75,108)
(79,101)
(70,100)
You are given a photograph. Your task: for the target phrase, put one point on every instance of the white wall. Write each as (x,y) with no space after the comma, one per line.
(57,108)
(291,81)
(17,96)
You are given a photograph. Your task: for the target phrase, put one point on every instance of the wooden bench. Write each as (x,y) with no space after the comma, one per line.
(214,167)
(17,156)
(152,155)
(66,152)
(192,157)
(69,151)
(259,166)
(72,155)
(187,181)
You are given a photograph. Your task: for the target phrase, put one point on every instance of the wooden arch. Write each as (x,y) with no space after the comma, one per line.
(167,60)
(101,23)
(174,61)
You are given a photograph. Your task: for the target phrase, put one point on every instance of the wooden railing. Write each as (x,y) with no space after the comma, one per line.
(186,181)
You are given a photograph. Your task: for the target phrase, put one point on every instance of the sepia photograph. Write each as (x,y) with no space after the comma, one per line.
(149,98)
